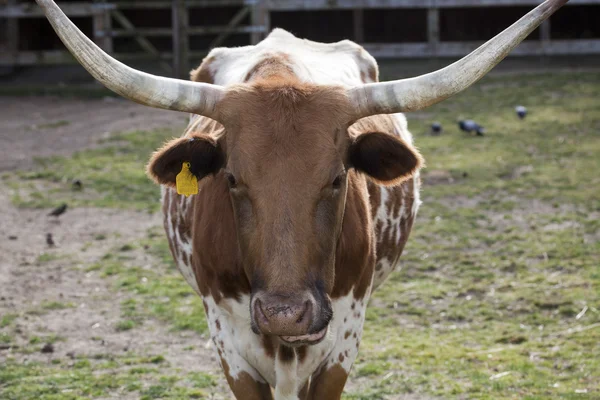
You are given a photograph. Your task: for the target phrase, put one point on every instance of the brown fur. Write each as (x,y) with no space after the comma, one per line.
(328,384)
(283,225)
(276,65)
(203,73)
(245,387)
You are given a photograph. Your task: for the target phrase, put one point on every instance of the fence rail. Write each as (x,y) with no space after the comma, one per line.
(110,22)
(300,5)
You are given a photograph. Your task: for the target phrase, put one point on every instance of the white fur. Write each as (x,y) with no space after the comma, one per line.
(243,351)
(184,243)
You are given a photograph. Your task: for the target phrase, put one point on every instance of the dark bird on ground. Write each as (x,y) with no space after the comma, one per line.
(48,348)
(77,185)
(436,128)
(471,126)
(49,240)
(521,111)
(58,211)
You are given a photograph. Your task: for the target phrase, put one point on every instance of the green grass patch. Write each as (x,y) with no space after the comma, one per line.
(57,305)
(47,257)
(97,378)
(157,289)
(112,176)
(7,320)
(53,125)
(501,261)
(125,325)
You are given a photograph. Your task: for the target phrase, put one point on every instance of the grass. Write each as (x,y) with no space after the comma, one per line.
(489,305)
(98,377)
(157,290)
(52,125)
(123,156)
(499,264)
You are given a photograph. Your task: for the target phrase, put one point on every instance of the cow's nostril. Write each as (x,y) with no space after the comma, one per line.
(305,312)
(260,313)
(282,315)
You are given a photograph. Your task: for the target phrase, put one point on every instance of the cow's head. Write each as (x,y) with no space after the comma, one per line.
(286,154)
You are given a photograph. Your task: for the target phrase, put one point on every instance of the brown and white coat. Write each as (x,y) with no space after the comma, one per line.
(376,226)
(291,230)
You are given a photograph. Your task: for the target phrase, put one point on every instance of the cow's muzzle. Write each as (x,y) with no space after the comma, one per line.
(296,319)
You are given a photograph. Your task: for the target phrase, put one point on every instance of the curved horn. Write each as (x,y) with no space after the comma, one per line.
(143,88)
(425,90)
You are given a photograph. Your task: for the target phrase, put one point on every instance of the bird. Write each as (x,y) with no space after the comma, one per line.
(471,126)
(521,111)
(48,348)
(58,211)
(76,184)
(436,128)
(49,240)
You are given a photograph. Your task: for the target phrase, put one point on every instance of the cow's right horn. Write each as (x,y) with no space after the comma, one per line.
(143,88)
(423,91)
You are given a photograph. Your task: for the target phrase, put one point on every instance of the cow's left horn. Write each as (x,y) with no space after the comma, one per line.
(147,89)
(423,91)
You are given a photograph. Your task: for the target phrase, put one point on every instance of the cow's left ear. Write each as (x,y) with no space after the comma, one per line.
(387,159)
(204,154)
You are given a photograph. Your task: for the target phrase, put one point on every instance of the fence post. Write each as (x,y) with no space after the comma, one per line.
(180,21)
(259,17)
(102,24)
(545,35)
(358,25)
(12,35)
(433,29)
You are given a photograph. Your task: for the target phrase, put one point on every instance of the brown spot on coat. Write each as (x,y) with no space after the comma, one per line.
(301,353)
(268,344)
(275,65)
(286,354)
(245,387)
(203,73)
(328,384)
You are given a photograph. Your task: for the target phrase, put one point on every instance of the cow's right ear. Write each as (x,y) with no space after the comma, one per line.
(204,154)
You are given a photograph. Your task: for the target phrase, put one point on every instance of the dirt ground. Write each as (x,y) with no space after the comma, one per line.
(31,128)
(46,126)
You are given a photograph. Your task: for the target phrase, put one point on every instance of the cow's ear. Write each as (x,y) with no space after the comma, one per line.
(204,154)
(387,159)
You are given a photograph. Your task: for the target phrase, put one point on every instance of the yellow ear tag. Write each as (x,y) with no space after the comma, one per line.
(186,182)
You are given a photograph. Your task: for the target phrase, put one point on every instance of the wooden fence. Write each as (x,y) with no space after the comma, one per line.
(253,18)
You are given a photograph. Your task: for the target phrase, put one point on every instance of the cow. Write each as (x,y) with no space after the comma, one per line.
(306,187)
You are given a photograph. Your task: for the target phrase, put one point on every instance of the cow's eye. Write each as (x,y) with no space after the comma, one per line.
(337,182)
(231,181)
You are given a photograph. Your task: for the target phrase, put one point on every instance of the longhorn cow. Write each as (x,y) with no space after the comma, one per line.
(308,189)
